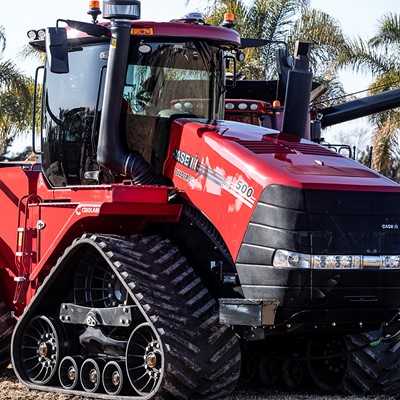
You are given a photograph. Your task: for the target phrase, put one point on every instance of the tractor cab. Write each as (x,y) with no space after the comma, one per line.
(168,71)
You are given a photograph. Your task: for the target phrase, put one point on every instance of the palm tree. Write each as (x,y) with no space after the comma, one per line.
(380,57)
(285,21)
(15,97)
(329,43)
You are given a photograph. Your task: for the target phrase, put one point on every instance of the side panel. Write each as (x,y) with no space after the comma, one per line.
(15,183)
(214,180)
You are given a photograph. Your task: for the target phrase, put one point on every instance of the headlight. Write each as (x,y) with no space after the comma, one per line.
(284,258)
(336,262)
(291,259)
(389,262)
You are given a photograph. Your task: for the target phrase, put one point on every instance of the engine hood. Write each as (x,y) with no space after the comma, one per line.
(275,157)
(223,167)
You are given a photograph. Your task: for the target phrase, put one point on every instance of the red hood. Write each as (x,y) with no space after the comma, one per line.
(223,168)
(273,157)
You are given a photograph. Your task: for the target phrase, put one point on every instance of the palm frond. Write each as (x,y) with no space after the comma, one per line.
(385,140)
(2,39)
(29,52)
(13,80)
(363,58)
(388,32)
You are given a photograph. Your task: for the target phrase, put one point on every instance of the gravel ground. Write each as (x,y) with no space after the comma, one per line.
(11,389)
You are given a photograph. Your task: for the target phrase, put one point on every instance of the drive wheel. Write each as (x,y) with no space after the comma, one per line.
(41,349)
(96,285)
(6,329)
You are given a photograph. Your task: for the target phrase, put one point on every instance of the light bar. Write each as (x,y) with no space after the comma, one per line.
(121,9)
(231,105)
(290,259)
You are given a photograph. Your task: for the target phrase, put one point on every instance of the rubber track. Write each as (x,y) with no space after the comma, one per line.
(372,369)
(202,357)
(6,329)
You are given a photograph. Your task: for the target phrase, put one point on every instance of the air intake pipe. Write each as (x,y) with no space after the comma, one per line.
(298,92)
(110,153)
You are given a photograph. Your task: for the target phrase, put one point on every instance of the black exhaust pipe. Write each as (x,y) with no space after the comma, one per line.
(298,92)
(110,153)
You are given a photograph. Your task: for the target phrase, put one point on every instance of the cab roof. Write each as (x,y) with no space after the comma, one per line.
(218,36)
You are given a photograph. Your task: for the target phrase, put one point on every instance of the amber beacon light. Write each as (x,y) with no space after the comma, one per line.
(229,20)
(94,10)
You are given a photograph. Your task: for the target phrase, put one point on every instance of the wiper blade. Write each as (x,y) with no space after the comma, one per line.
(90,29)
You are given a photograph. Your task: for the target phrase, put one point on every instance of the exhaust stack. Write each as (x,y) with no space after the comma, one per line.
(298,92)
(110,152)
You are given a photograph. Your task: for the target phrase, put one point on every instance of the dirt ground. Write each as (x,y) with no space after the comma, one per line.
(11,389)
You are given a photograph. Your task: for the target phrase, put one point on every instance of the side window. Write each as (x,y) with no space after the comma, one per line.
(68,114)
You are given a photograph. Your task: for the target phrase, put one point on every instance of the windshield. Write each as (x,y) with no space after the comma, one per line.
(178,76)
(166,80)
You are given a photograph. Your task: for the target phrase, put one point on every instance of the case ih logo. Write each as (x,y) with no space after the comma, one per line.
(87,210)
(239,188)
(186,159)
(390,226)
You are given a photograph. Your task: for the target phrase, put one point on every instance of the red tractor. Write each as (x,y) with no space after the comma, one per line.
(157,248)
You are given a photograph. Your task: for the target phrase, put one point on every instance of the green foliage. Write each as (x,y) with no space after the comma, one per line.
(380,57)
(16,92)
(285,21)
(291,20)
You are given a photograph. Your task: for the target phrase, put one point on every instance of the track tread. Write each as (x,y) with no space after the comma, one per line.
(204,356)
(372,369)
(6,329)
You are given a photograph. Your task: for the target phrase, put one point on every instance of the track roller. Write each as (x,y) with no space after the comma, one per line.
(68,372)
(269,370)
(292,373)
(114,380)
(91,374)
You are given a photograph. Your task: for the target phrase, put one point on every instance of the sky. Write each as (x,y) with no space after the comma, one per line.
(357,18)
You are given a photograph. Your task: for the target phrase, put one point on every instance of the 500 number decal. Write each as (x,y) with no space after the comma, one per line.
(244,188)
